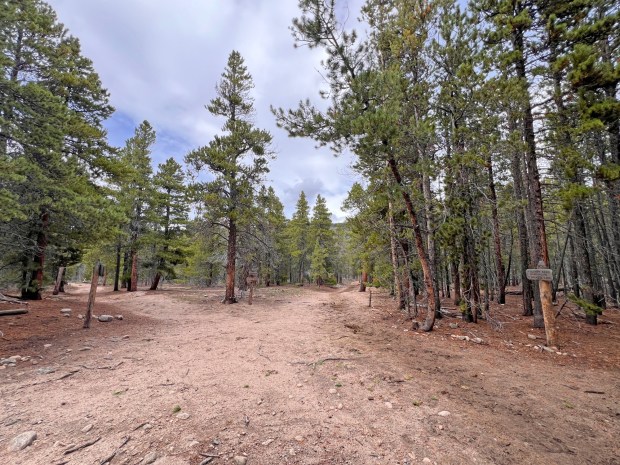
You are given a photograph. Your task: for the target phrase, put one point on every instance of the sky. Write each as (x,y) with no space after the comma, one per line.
(160,61)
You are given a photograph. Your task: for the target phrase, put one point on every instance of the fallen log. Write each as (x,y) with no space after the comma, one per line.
(13,300)
(16,311)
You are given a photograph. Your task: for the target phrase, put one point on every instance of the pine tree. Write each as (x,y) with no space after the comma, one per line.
(298,233)
(137,195)
(322,236)
(169,212)
(52,143)
(238,159)
(272,242)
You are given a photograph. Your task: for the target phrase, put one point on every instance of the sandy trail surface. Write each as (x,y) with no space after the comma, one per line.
(303,376)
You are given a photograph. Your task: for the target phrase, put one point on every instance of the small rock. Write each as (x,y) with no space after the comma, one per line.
(291,452)
(193,444)
(444,413)
(454,325)
(477,340)
(299,385)
(147,427)
(118,317)
(267,442)
(47,346)
(388,404)
(87,428)
(551,350)
(260,401)
(22,441)
(333,391)
(46,370)
(426,460)
(339,406)
(183,416)
(65,310)
(150,458)
(81,317)
(105,318)
(240,460)
(66,315)
(299,438)
(532,337)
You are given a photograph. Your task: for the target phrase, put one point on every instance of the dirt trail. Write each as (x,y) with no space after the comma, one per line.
(303,376)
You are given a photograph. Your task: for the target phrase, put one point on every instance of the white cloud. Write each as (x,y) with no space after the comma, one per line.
(161,60)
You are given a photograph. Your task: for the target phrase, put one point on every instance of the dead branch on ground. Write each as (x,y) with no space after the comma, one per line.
(323,360)
(12,300)
(107,367)
(113,454)
(82,446)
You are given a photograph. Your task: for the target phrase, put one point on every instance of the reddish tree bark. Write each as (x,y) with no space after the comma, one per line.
(231,257)
(133,285)
(419,242)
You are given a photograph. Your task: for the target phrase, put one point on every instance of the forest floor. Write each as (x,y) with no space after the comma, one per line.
(303,376)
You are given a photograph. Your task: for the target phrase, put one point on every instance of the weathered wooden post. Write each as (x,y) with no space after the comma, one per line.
(370,298)
(545,277)
(251,281)
(59,276)
(91,295)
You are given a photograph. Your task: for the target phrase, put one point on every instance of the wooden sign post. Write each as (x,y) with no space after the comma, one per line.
(91,295)
(59,277)
(251,281)
(545,276)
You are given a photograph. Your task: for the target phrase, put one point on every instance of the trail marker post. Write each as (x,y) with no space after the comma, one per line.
(251,281)
(545,276)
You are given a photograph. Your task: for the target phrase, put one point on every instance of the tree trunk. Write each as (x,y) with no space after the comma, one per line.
(521,226)
(456,279)
(35,286)
(133,285)
(117,271)
(363,280)
(155,281)
(398,287)
(497,238)
(584,268)
(608,261)
(231,258)
(430,239)
(419,242)
(534,184)
(125,280)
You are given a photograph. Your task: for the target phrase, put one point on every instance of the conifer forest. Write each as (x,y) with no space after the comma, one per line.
(453,299)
